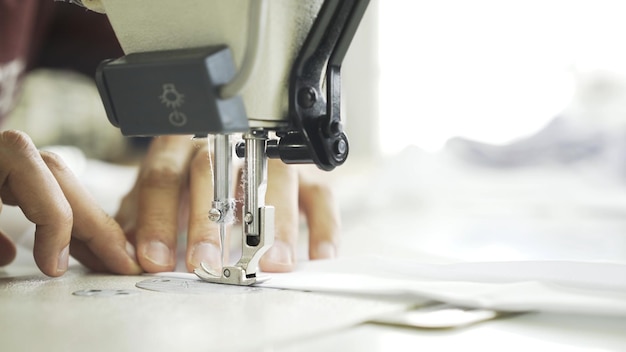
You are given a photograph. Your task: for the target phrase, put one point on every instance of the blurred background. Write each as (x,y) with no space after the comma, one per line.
(498,128)
(486,70)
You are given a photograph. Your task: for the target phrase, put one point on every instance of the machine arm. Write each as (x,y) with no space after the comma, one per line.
(316,134)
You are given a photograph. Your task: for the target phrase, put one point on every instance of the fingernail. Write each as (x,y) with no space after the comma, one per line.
(280,253)
(64,257)
(158,253)
(326,250)
(208,254)
(130,250)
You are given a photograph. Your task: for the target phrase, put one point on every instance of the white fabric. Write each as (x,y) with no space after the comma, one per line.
(559,286)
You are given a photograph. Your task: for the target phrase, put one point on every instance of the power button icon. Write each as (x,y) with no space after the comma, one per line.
(178,118)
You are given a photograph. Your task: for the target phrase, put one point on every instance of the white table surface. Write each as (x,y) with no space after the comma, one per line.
(434,217)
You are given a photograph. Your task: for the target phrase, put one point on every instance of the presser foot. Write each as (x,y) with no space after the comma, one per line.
(243,273)
(230,275)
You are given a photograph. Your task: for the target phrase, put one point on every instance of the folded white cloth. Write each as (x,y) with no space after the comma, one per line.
(591,288)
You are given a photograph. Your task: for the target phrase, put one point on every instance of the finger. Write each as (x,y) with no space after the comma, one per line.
(6,195)
(282,193)
(203,238)
(92,226)
(126,215)
(161,177)
(81,252)
(7,250)
(318,204)
(36,191)
(7,247)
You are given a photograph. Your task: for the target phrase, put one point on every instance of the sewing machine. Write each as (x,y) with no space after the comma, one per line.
(283,98)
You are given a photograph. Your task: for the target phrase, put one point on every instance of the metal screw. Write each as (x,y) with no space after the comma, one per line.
(226,273)
(336,128)
(240,149)
(306,97)
(248,218)
(340,147)
(214,214)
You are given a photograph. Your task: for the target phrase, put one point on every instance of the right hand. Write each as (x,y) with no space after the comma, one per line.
(173,193)
(64,213)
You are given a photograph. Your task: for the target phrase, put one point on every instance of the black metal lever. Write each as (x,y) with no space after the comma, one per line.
(315,134)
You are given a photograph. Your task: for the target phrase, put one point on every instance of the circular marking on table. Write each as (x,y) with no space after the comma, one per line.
(178,285)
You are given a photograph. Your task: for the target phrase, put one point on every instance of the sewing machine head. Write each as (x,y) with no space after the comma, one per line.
(268,70)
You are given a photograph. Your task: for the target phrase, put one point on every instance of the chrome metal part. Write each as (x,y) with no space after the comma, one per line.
(215,214)
(255,175)
(223,206)
(244,272)
(258,226)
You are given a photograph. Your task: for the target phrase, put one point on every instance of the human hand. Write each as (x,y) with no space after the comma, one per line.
(174,190)
(67,219)
(292,189)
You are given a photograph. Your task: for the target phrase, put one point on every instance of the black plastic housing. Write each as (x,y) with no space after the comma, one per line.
(171,92)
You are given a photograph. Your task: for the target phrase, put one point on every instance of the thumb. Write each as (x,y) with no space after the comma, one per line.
(7,249)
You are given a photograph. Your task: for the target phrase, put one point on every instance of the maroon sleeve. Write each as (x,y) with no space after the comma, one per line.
(51,34)
(76,39)
(20,20)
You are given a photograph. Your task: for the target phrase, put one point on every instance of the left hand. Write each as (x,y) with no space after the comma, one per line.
(174,188)
(64,213)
